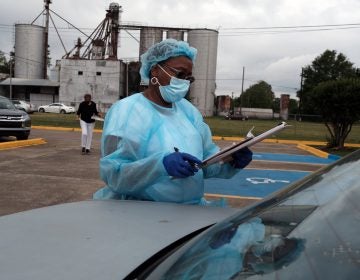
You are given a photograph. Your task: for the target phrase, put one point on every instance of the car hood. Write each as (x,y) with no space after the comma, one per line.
(12,112)
(94,239)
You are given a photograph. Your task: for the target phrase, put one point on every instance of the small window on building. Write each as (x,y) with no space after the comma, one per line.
(98,73)
(80,73)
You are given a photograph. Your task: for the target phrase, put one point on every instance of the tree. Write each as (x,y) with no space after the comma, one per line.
(339,103)
(259,95)
(237,102)
(329,66)
(4,64)
(276,105)
(293,106)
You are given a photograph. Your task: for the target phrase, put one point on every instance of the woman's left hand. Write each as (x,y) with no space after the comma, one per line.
(241,158)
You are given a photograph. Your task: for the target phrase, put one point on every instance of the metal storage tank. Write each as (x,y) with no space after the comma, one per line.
(175,34)
(202,92)
(148,37)
(29,51)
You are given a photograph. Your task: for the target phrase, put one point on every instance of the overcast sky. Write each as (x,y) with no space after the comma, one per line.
(275,58)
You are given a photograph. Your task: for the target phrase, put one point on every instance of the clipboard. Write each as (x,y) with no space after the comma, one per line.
(249,141)
(97,118)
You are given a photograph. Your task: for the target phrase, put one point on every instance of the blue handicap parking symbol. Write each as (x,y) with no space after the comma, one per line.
(253,182)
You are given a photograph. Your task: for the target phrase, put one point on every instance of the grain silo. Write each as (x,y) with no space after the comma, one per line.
(29,51)
(148,37)
(175,34)
(202,93)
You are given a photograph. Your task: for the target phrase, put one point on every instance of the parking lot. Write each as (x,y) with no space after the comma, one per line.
(56,172)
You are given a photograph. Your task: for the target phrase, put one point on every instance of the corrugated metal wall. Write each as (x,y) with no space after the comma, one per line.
(202,92)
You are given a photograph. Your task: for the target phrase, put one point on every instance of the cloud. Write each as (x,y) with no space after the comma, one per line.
(275,58)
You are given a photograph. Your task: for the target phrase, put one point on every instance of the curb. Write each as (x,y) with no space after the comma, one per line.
(215,138)
(56,128)
(313,151)
(21,143)
(318,152)
(280,141)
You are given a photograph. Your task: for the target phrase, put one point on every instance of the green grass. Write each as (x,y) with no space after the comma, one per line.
(310,131)
(219,126)
(60,120)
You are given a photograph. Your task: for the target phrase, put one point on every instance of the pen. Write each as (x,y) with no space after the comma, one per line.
(193,164)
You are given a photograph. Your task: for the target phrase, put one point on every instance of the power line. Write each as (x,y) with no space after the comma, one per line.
(293,26)
(70,69)
(241,31)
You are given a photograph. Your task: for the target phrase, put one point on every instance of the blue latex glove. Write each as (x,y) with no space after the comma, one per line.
(242,158)
(181,165)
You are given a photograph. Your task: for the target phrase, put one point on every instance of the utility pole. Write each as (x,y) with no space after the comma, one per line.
(242,81)
(46,36)
(11,60)
(300,93)
(10,79)
(232,103)
(242,87)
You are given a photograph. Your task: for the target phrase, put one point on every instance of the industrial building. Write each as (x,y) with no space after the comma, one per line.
(93,66)
(103,79)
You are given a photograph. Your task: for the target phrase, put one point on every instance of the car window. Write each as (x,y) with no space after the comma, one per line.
(6,104)
(310,230)
(16,102)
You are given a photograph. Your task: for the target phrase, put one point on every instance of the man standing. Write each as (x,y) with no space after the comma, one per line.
(87,109)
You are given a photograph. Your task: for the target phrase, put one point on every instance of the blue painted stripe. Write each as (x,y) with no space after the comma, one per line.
(253,182)
(293,158)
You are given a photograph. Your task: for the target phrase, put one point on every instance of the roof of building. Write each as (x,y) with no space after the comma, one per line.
(30,82)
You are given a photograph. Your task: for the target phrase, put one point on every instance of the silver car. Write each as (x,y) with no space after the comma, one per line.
(310,230)
(13,122)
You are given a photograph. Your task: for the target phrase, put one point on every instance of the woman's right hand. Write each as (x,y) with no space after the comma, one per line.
(181,165)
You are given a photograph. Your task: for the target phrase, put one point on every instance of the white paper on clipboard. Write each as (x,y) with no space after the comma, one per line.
(218,157)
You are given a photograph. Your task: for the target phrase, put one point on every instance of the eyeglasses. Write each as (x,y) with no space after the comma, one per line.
(180,74)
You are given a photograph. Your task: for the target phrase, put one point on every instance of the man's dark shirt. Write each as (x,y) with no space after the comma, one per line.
(86,111)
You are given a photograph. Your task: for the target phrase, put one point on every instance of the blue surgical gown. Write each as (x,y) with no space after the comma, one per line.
(137,134)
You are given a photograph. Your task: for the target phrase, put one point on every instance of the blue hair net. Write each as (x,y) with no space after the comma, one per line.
(163,51)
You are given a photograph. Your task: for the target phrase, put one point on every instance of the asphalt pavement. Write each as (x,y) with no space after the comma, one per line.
(56,172)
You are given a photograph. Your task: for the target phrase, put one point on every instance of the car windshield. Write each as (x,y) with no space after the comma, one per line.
(6,104)
(308,231)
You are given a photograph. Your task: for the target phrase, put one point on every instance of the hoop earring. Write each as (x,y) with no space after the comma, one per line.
(154,81)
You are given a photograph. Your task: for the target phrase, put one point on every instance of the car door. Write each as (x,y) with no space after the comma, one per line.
(54,108)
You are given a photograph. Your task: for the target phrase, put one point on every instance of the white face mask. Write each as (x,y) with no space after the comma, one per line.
(176,90)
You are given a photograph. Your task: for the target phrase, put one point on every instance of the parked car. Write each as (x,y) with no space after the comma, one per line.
(309,230)
(236,116)
(13,122)
(56,108)
(24,106)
